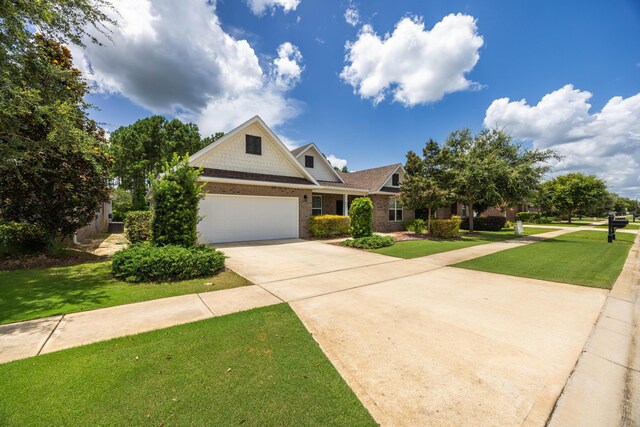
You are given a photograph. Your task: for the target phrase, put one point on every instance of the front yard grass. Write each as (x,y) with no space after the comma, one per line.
(35,293)
(259,367)
(418,248)
(580,258)
(630,226)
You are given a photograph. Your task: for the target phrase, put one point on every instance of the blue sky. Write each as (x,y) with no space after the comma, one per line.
(217,66)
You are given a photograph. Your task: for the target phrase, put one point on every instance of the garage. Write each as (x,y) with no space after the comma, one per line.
(232,218)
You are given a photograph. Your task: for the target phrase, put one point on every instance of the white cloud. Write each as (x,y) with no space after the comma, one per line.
(415,65)
(175,58)
(258,7)
(606,143)
(287,69)
(352,16)
(336,161)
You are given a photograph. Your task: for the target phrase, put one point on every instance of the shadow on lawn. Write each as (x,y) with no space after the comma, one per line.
(48,291)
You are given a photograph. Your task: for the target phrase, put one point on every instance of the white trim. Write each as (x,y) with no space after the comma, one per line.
(324,159)
(388,176)
(258,183)
(235,131)
(396,209)
(340,190)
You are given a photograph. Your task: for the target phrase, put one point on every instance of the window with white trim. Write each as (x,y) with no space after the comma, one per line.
(395,179)
(316,205)
(395,209)
(308,162)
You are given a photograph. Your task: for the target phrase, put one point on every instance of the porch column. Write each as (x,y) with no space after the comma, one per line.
(345,204)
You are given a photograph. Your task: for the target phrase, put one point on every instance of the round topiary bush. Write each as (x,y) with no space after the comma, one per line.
(361,213)
(146,262)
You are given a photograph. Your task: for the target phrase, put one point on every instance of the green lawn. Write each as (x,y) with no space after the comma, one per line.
(630,226)
(34,293)
(259,367)
(418,248)
(581,258)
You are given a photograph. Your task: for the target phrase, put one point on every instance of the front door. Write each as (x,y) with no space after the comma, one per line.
(339,207)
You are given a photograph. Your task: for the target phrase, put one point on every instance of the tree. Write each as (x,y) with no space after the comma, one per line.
(423,188)
(211,138)
(575,193)
(490,169)
(176,195)
(141,149)
(53,166)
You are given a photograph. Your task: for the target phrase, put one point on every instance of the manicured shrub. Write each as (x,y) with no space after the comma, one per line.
(542,220)
(445,228)
(417,225)
(509,224)
(329,225)
(146,262)
(21,237)
(485,223)
(361,213)
(176,196)
(137,226)
(374,241)
(527,216)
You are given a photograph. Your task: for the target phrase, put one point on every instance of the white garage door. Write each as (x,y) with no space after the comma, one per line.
(242,218)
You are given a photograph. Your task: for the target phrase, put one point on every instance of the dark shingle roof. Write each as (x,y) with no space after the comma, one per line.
(249,176)
(299,150)
(368,179)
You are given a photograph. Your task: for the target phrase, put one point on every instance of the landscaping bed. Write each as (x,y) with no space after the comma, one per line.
(580,258)
(259,367)
(35,293)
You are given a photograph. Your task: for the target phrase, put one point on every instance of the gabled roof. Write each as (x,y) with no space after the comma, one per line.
(371,180)
(280,144)
(298,152)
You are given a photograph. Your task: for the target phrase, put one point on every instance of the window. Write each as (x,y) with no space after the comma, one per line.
(254,145)
(316,205)
(395,209)
(395,180)
(308,162)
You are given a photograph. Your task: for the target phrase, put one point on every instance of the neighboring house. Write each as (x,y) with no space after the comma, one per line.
(256,189)
(99,224)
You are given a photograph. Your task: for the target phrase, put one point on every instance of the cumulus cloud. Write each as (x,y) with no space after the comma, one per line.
(414,65)
(352,16)
(287,68)
(175,58)
(605,143)
(336,161)
(258,7)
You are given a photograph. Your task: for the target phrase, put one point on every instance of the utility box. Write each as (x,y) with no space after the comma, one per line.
(519,228)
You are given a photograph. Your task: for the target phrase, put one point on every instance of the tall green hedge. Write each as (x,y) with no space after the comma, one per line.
(361,213)
(176,196)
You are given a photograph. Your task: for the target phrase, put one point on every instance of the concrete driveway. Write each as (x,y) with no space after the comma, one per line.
(425,344)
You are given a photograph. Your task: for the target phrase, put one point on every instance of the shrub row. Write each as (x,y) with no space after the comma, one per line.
(532,218)
(374,241)
(417,225)
(20,238)
(145,262)
(329,225)
(137,226)
(445,228)
(485,223)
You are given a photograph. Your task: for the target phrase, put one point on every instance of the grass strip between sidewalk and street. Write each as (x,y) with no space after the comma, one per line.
(258,367)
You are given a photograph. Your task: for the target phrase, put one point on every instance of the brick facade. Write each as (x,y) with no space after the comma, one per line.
(304,206)
(381,221)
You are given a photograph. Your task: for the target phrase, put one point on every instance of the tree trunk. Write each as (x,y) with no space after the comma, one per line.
(470,215)
(429,221)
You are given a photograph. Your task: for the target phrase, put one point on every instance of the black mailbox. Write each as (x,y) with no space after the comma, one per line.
(615,223)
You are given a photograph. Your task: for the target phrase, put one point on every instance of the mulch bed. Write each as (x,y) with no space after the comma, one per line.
(66,258)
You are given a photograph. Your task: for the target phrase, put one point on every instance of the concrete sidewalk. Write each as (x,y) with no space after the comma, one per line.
(34,337)
(604,389)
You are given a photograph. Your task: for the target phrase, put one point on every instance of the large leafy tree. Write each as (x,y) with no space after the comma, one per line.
(424,187)
(575,194)
(53,166)
(489,169)
(141,149)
